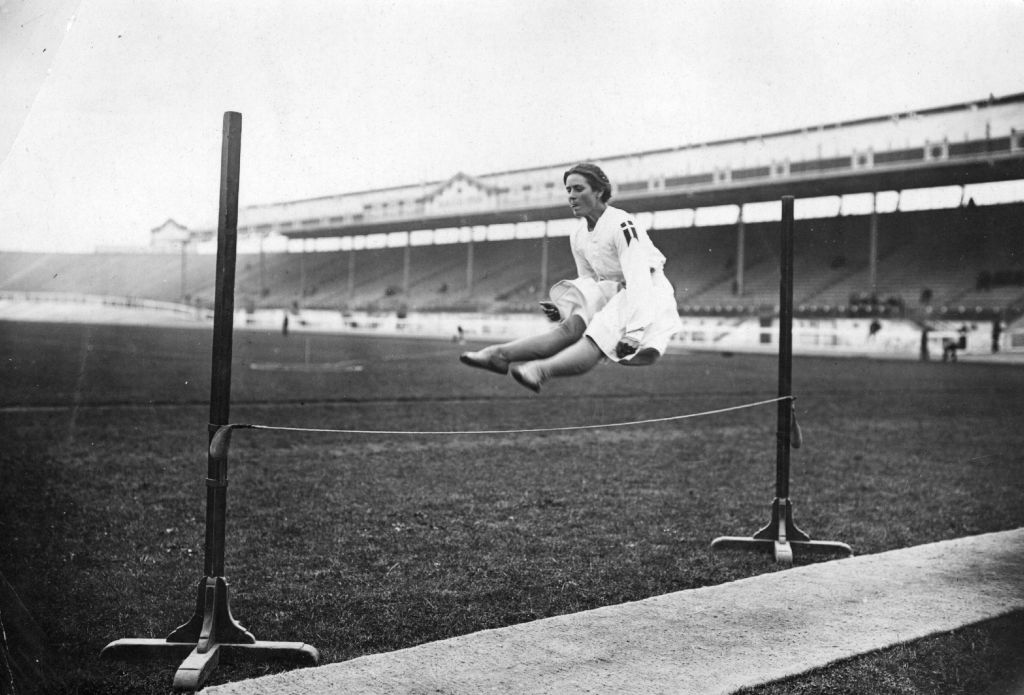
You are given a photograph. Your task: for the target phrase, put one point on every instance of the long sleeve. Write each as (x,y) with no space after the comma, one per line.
(631,245)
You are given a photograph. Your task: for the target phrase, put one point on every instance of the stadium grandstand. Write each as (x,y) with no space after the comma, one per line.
(915,216)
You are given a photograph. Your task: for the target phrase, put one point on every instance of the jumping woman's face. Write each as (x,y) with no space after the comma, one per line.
(584,201)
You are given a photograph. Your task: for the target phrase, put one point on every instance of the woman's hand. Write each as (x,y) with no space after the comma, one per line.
(551,311)
(626,346)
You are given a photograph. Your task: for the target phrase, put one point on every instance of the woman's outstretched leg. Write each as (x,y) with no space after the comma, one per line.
(578,358)
(497,358)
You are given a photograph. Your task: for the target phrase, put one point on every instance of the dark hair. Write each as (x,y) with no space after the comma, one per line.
(594,176)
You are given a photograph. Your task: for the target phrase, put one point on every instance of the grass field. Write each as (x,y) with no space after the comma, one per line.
(365,543)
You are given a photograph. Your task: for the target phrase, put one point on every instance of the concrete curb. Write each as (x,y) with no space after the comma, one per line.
(711,640)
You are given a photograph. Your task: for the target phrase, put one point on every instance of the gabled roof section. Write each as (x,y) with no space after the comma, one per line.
(170,225)
(464,179)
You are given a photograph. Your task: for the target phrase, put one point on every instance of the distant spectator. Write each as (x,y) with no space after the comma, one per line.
(949,348)
(284,326)
(873,329)
(925,356)
(926,295)
(997,331)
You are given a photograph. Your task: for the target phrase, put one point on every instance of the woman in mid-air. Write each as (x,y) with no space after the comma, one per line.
(621,307)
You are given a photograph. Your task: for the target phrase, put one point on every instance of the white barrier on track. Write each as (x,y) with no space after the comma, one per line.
(898,338)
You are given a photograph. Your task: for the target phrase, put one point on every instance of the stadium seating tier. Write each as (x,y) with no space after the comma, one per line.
(964,259)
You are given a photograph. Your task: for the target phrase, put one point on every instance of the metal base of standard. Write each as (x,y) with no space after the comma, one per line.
(211,633)
(781,537)
(196,667)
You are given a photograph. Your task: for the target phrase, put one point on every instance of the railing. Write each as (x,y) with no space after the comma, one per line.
(184,310)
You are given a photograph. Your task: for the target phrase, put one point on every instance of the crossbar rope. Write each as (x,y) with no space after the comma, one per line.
(221,438)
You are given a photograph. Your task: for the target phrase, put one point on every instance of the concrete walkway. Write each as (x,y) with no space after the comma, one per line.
(709,640)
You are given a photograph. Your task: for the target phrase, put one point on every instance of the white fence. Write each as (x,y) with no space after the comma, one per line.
(896,338)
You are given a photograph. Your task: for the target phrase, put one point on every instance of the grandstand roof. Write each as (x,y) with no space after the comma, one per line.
(966,143)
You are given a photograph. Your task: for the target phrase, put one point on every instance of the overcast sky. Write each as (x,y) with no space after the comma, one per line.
(111,110)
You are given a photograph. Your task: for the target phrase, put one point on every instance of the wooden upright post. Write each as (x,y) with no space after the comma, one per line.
(785,408)
(212,631)
(781,535)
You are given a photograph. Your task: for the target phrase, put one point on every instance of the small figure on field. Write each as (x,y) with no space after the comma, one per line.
(950,346)
(621,306)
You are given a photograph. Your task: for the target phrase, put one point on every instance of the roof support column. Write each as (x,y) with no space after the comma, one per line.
(302,271)
(406,256)
(469,263)
(263,269)
(544,284)
(184,272)
(352,273)
(873,246)
(741,243)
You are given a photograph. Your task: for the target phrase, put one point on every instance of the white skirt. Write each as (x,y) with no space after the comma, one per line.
(603,307)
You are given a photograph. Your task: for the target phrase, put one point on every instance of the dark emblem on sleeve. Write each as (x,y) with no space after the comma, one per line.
(629,231)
